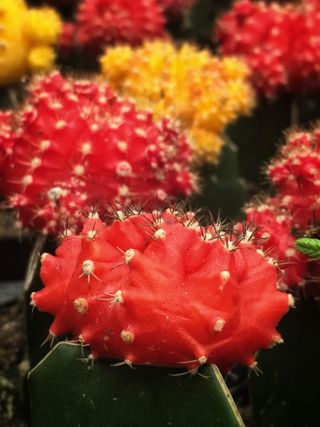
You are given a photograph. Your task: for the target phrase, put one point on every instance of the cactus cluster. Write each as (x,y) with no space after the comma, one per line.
(75,142)
(294,210)
(26,39)
(280,43)
(159,288)
(203,92)
(103,22)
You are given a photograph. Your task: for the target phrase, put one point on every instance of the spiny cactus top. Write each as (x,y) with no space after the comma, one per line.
(103,22)
(295,209)
(26,37)
(275,231)
(160,289)
(281,44)
(296,175)
(75,142)
(203,92)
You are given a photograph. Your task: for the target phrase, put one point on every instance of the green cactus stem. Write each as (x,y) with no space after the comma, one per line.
(66,391)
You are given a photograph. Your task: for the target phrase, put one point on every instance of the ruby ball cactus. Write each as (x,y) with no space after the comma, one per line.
(160,289)
(74,142)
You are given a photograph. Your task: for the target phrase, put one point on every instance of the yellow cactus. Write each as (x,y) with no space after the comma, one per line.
(205,93)
(26,39)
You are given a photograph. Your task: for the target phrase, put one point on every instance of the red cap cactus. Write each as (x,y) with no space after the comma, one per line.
(281,44)
(295,209)
(101,22)
(296,175)
(275,232)
(75,142)
(157,288)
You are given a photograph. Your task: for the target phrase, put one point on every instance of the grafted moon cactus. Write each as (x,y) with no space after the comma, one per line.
(26,39)
(295,173)
(280,43)
(104,22)
(275,232)
(75,142)
(203,92)
(157,288)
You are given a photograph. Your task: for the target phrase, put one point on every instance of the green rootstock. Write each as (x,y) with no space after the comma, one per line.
(67,391)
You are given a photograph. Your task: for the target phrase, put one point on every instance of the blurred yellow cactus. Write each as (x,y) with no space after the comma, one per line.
(26,39)
(203,92)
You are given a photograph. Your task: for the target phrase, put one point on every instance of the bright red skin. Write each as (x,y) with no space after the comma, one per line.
(281,44)
(104,22)
(86,125)
(172,294)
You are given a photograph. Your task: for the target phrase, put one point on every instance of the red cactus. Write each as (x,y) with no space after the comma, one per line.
(160,289)
(295,209)
(296,175)
(76,142)
(281,44)
(101,22)
(276,238)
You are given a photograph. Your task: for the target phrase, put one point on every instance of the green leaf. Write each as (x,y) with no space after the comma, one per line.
(308,246)
(67,392)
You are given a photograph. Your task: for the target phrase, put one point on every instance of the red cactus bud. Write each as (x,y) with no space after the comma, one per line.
(76,142)
(296,175)
(281,44)
(160,289)
(276,238)
(101,22)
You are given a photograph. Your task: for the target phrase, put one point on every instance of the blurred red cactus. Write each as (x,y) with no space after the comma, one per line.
(75,142)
